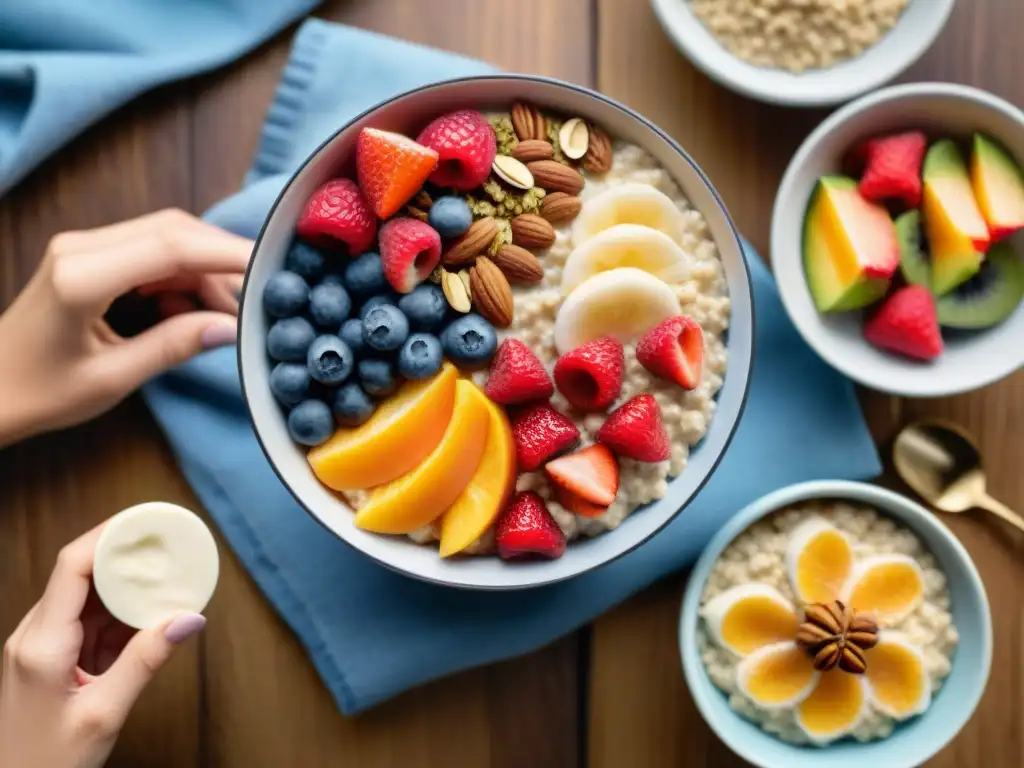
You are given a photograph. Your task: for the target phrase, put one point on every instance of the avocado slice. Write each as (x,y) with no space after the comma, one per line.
(990,296)
(998,185)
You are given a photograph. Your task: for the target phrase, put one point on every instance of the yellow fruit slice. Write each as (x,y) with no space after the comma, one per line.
(478,505)
(835,707)
(820,560)
(897,682)
(400,434)
(889,586)
(749,616)
(418,498)
(633,202)
(777,676)
(626,245)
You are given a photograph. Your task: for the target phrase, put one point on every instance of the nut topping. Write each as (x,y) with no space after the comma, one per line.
(492,293)
(573,138)
(528,122)
(455,291)
(833,635)
(477,239)
(599,153)
(533,149)
(512,171)
(531,231)
(555,177)
(518,265)
(560,208)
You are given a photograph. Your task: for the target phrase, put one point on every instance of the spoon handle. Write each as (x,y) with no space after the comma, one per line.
(1003,511)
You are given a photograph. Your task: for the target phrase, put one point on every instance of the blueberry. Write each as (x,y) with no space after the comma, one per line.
(470,340)
(288,340)
(306,261)
(426,307)
(310,422)
(376,301)
(420,356)
(377,377)
(450,216)
(385,328)
(285,294)
(290,383)
(364,275)
(352,334)
(329,305)
(329,360)
(351,405)
(333,278)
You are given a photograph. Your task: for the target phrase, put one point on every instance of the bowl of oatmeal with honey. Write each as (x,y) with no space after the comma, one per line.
(838,621)
(496,332)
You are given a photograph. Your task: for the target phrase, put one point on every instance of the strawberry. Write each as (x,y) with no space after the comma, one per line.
(577,504)
(465,144)
(674,350)
(338,211)
(525,527)
(517,376)
(591,473)
(590,376)
(634,430)
(391,169)
(894,168)
(906,322)
(541,432)
(409,250)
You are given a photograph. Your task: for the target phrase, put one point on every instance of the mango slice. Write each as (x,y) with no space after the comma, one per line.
(998,184)
(820,560)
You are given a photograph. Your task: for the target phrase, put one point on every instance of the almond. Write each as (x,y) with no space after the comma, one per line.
(599,152)
(531,231)
(518,265)
(528,122)
(491,293)
(573,138)
(455,291)
(555,177)
(533,149)
(477,239)
(560,208)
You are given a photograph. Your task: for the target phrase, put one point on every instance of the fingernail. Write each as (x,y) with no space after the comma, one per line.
(219,334)
(184,626)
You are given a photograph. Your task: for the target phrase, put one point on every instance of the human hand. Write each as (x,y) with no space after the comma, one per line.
(71,672)
(64,364)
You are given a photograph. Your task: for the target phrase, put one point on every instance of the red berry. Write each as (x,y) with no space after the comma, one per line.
(577,504)
(674,350)
(525,527)
(517,376)
(590,376)
(541,432)
(338,211)
(409,250)
(893,168)
(591,473)
(906,322)
(391,169)
(465,144)
(634,430)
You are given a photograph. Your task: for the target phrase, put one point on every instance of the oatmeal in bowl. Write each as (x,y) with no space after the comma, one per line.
(498,332)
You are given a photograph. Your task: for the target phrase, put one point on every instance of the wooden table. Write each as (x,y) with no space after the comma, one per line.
(608,696)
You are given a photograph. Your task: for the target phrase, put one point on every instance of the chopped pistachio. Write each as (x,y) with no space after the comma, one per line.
(504,236)
(436,275)
(554,126)
(503,132)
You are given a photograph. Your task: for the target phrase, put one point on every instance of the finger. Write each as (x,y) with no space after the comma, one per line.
(19,631)
(69,583)
(84,240)
(171,304)
(219,293)
(186,283)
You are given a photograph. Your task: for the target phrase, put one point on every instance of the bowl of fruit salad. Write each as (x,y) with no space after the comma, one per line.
(496,332)
(897,239)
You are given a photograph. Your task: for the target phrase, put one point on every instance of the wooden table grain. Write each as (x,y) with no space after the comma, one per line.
(608,696)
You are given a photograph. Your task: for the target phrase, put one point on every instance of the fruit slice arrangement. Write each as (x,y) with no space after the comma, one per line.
(944,262)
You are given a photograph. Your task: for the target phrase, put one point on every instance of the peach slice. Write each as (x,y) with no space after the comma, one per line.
(400,434)
(479,504)
(834,708)
(422,495)
(820,559)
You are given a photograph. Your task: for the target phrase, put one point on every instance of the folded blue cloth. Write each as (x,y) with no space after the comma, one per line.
(370,632)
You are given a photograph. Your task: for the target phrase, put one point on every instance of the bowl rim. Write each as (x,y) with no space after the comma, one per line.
(912,514)
(673,144)
(667,17)
(888,95)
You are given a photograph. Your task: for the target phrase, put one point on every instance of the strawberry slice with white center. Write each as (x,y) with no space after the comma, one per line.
(674,350)
(591,473)
(409,250)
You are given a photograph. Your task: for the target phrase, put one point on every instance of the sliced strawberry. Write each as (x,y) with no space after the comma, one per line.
(674,350)
(391,169)
(590,473)
(525,527)
(634,430)
(906,322)
(466,146)
(409,250)
(517,376)
(338,211)
(541,432)
(590,376)
(893,170)
(577,504)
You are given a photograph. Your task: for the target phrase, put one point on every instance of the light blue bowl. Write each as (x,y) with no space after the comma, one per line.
(913,742)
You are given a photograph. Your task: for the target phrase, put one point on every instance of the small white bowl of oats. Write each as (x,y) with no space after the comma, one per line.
(803,52)
(838,621)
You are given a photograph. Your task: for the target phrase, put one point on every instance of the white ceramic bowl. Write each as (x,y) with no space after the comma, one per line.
(916,30)
(970,360)
(407,113)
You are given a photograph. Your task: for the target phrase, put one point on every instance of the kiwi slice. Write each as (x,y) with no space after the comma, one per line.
(990,296)
(915,262)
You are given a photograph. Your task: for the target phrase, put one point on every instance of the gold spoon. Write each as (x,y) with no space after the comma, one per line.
(942,464)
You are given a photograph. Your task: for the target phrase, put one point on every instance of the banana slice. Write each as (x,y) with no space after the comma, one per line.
(626,245)
(624,303)
(630,203)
